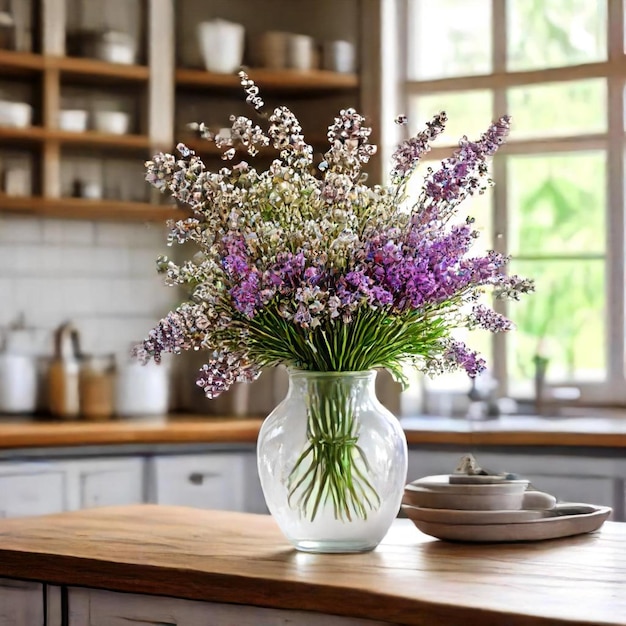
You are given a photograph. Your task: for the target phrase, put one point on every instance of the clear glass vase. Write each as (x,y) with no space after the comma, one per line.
(332,462)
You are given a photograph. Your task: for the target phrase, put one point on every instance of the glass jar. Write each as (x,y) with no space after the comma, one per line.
(332,462)
(96,387)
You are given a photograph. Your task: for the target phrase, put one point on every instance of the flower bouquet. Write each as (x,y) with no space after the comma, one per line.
(307,266)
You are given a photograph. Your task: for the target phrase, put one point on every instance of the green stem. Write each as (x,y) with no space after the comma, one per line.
(332,468)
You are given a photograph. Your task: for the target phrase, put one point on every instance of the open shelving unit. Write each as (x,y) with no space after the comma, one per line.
(155,85)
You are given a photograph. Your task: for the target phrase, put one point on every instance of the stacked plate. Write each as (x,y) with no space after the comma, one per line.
(462,507)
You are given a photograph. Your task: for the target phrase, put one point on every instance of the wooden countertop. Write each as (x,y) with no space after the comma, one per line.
(592,431)
(243,559)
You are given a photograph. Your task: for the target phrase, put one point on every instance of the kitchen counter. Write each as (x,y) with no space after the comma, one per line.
(577,432)
(243,559)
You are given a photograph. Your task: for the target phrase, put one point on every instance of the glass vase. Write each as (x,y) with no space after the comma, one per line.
(332,462)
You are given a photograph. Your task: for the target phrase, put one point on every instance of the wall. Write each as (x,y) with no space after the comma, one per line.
(100,275)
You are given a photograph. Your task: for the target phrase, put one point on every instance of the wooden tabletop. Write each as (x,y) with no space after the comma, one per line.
(591,431)
(244,559)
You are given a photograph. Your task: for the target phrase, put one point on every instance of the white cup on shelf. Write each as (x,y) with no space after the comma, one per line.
(221,44)
(269,49)
(74,120)
(339,56)
(15,114)
(300,52)
(112,122)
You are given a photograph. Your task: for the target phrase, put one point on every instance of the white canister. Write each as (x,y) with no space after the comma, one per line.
(18,383)
(141,390)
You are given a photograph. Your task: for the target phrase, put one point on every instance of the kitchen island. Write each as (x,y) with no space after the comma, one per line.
(173,565)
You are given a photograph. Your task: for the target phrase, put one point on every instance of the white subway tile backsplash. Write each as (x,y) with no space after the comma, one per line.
(113,335)
(150,235)
(142,262)
(110,261)
(115,234)
(7,261)
(77,261)
(52,231)
(101,276)
(7,305)
(40,300)
(78,294)
(18,230)
(78,232)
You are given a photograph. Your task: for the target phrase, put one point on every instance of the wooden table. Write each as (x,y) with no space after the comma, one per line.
(239,569)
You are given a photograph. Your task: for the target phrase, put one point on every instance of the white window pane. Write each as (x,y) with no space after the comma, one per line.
(558,109)
(564,321)
(557,203)
(449,38)
(555,33)
(469,113)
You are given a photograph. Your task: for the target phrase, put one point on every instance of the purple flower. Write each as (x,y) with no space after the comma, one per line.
(484,317)
(226,369)
(457,354)
(408,154)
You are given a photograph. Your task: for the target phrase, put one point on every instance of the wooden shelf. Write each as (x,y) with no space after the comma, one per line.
(92,138)
(80,208)
(21,136)
(94,69)
(80,67)
(21,62)
(277,80)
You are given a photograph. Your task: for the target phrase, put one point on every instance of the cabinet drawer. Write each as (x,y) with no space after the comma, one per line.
(106,608)
(211,481)
(21,603)
(113,483)
(34,492)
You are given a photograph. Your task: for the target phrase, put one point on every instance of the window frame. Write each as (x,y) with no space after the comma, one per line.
(612,390)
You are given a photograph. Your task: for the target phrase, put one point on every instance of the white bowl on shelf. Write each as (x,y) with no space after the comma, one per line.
(111,122)
(74,120)
(15,114)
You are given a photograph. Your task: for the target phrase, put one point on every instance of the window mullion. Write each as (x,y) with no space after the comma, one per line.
(499,197)
(615,210)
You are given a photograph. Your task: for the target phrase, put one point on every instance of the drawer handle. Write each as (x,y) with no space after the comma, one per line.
(197,478)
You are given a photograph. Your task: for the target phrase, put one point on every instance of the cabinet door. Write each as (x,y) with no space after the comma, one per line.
(208,481)
(21,603)
(31,489)
(109,482)
(106,608)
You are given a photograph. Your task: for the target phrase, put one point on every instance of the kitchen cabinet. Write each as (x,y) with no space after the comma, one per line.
(105,608)
(217,480)
(206,481)
(159,96)
(21,603)
(34,488)
(38,488)
(104,482)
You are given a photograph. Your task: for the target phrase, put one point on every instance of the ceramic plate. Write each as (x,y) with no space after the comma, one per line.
(564,520)
(491,501)
(442,484)
(479,479)
(456,516)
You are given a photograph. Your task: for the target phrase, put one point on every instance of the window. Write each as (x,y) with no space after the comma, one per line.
(559,69)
